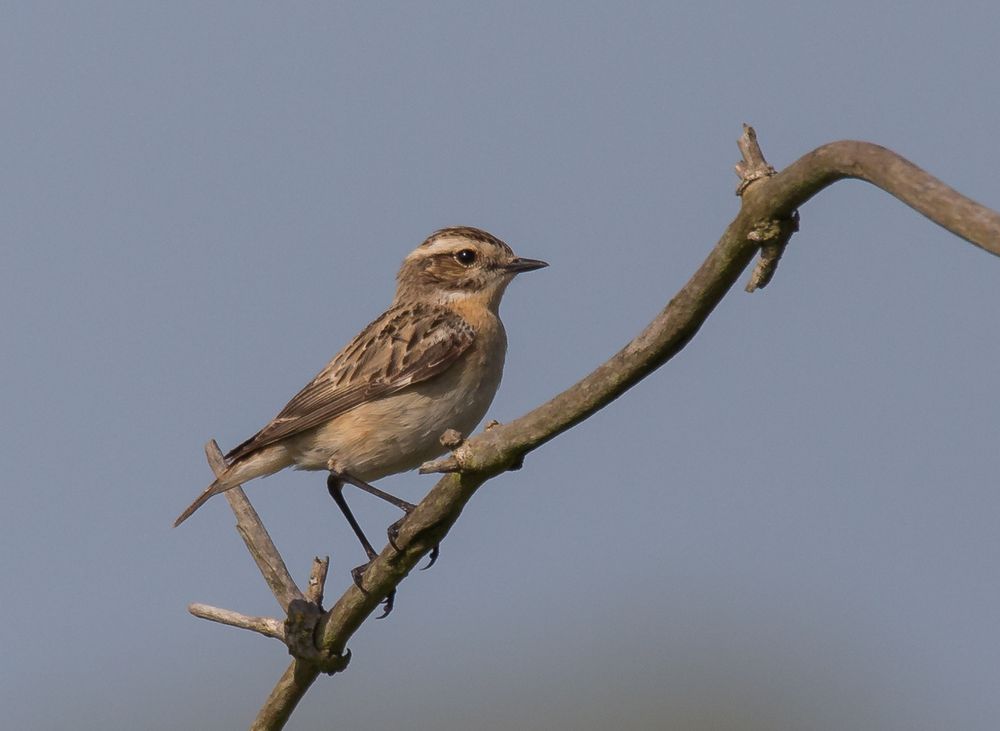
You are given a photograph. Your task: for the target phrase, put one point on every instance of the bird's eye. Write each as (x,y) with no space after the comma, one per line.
(466,257)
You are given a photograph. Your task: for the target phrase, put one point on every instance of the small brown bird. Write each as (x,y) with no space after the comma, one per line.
(431,362)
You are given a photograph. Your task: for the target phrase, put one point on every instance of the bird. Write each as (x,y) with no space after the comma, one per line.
(431,362)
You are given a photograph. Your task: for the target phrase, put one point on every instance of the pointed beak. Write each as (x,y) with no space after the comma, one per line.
(519,265)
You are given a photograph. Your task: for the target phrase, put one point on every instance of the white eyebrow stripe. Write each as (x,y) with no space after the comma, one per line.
(444,245)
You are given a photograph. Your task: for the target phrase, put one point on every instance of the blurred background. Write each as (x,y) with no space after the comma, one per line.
(790,526)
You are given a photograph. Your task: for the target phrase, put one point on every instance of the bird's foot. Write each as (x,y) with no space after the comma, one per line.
(393,533)
(387,604)
(358,574)
(393,530)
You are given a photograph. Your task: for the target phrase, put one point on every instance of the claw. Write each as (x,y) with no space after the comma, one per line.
(387,604)
(433,556)
(393,532)
(358,573)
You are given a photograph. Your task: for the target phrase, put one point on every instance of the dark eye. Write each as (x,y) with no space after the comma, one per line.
(465,257)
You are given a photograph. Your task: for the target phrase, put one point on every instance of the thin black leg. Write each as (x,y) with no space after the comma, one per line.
(372,490)
(406,507)
(335,486)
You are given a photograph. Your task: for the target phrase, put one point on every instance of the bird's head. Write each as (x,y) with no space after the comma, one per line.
(461,263)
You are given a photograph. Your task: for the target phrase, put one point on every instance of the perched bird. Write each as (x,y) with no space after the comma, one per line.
(431,362)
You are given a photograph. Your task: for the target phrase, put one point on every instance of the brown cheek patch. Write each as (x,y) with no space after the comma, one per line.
(446,270)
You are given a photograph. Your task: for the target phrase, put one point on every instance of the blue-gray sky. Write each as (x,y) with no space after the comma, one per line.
(791,525)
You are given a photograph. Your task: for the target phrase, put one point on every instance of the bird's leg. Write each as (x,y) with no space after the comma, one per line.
(372,490)
(335,486)
(407,508)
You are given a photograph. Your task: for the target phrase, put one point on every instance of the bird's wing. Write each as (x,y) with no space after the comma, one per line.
(406,345)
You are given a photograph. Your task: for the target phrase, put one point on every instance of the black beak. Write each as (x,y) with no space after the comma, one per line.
(525,265)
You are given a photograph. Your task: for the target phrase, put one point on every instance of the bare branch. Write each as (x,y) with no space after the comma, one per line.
(255,536)
(800,181)
(264,625)
(285,695)
(766,218)
(772,235)
(317,580)
(753,166)
(768,200)
(448,463)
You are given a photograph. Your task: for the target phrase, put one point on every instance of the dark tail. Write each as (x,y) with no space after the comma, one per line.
(214,489)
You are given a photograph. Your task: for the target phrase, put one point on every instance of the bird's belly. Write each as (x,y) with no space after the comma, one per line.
(399,432)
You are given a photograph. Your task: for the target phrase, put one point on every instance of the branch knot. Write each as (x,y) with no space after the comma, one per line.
(772,234)
(301,637)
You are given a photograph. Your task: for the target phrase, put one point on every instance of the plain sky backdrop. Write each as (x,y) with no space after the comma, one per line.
(793,525)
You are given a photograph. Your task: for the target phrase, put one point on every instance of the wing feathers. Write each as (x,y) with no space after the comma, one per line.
(406,345)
